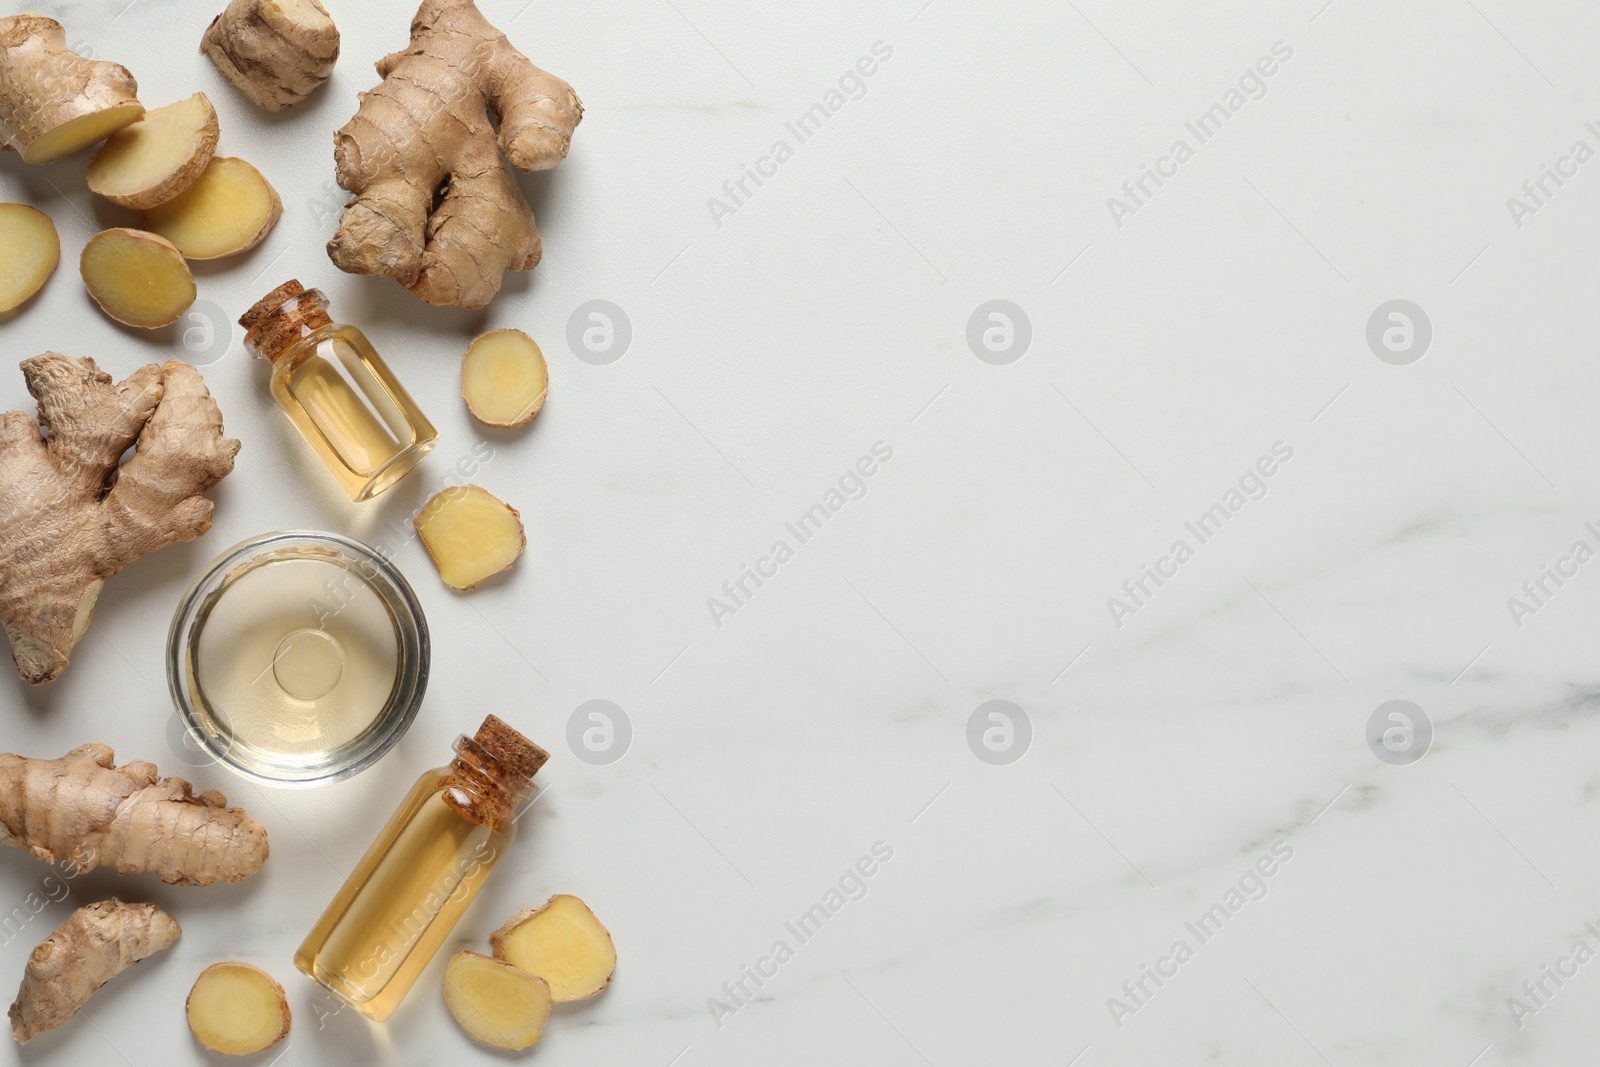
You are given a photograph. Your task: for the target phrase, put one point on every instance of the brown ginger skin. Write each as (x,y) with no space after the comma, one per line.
(45,86)
(62,531)
(93,946)
(276,52)
(86,812)
(425,132)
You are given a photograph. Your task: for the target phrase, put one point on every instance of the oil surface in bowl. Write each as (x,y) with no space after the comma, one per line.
(297,655)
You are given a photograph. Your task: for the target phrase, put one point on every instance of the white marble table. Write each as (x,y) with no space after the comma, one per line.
(1192,844)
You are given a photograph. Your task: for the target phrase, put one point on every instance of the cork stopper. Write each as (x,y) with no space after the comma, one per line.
(520,757)
(493,769)
(281,318)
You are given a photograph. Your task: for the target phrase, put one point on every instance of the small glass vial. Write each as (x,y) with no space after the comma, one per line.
(337,391)
(419,876)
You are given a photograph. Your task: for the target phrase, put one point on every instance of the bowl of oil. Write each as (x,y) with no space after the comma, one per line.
(298,658)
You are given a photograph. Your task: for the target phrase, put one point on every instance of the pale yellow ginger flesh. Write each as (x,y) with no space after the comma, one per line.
(495,1003)
(504,378)
(137,278)
(470,534)
(86,812)
(229,209)
(93,946)
(29,252)
(562,942)
(74,513)
(54,102)
(276,52)
(158,157)
(436,205)
(237,1009)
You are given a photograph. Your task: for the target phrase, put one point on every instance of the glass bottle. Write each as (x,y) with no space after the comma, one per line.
(419,876)
(337,391)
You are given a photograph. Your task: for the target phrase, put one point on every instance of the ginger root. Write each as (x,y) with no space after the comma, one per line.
(85,811)
(562,942)
(71,517)
(469,534)
(138,278)
(153,160)
(504,379)
(93,946)
(437,209)
(276,52)
(237,1009)
(494,1002)
(229,209)
(54,102)
(31,249)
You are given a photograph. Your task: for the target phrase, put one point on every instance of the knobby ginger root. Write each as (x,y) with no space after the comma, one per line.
(562,942)
(29,252)
(276,52)
(437,209)
(495,1003)
(72,516)
(237,1009)
(86,812)
(93,946)
(229,209)
(469,534)
(158,157)
(138,278)
(54,102)
(504,378)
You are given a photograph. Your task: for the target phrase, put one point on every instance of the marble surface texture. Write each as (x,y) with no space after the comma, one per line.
(1059,729)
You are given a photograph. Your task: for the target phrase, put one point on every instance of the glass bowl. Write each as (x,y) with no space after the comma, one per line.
(298,658)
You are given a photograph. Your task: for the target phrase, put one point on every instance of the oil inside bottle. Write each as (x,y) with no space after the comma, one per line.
(400,904)
(296,656)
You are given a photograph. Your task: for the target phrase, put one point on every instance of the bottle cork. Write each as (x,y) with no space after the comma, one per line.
(282,317)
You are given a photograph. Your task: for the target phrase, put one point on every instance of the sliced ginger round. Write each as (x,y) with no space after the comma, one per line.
(504,378)
(77,134)
(470,534)
(562,942)
(137,278)
(29,252)
(494,1002)
(229,209)
(158,157)
(237,1009)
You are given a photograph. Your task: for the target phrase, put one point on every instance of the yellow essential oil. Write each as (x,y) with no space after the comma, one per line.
(338,391)
(415,882)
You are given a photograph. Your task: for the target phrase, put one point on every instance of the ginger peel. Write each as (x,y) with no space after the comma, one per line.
(437,208)
(64,531)
(86,812)
(93,946)
(54,102)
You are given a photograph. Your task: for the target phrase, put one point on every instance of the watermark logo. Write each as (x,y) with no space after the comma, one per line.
(1399,332)
(599,332)
(999,332)
(205,334)
(999,732)
(599,732)
(1399,733)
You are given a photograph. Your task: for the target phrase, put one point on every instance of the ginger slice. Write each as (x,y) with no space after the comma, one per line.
(158,157)
(237,1009)
(137,278)
(562,942)
(470,534)
(494,1002)
(504,378)
(29,252)
(229,209)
